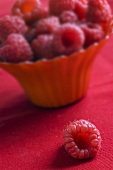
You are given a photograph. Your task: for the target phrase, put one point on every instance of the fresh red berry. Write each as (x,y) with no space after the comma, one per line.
(16,49)
(29,10)
(43,26)
(42,47)
(56,7)
(98,11)
(68,38)
(82,139)
(47,25)
(81,8)
(93,33)
(11,24)
(68,16)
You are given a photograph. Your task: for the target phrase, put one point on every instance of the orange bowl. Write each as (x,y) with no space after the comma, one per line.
(57,82)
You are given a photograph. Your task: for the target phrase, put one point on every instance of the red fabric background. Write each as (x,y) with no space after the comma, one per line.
(31,137)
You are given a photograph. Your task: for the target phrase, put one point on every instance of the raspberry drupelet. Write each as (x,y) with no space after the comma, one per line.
(43,47)
(78,6)
(68,38)
(44,26)
(98,11)
(16,49)
(68,16)
(82,139)
(80,9)
(29,10)
(11,24)
(93,33)
(56,7)
(47,25)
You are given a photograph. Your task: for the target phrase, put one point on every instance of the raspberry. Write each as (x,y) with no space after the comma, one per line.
(93,33)
(68,38)
(30,10)
(47,25)
(56,7)
(68,16)
(11,24)
(82,139)
(81,9)
(98,11)
(16,49)
(42,47)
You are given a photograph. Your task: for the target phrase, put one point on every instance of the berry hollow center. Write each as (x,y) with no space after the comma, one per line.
(82,140)
(68,39)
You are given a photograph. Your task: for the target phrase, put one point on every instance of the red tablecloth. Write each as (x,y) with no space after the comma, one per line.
(31,137)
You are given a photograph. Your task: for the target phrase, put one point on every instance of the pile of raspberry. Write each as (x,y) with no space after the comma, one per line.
(33,32)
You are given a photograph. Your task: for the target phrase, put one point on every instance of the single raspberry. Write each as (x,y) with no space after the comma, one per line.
(68,16)
(82,139)
(16,49)
(56,7)
(29,10)
(98,11)
(68,38)
(11,24)
(81,8)
(93,33)
(47,25)
(42,47)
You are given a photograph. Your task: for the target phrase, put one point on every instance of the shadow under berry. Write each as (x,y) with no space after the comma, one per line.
(63,160)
